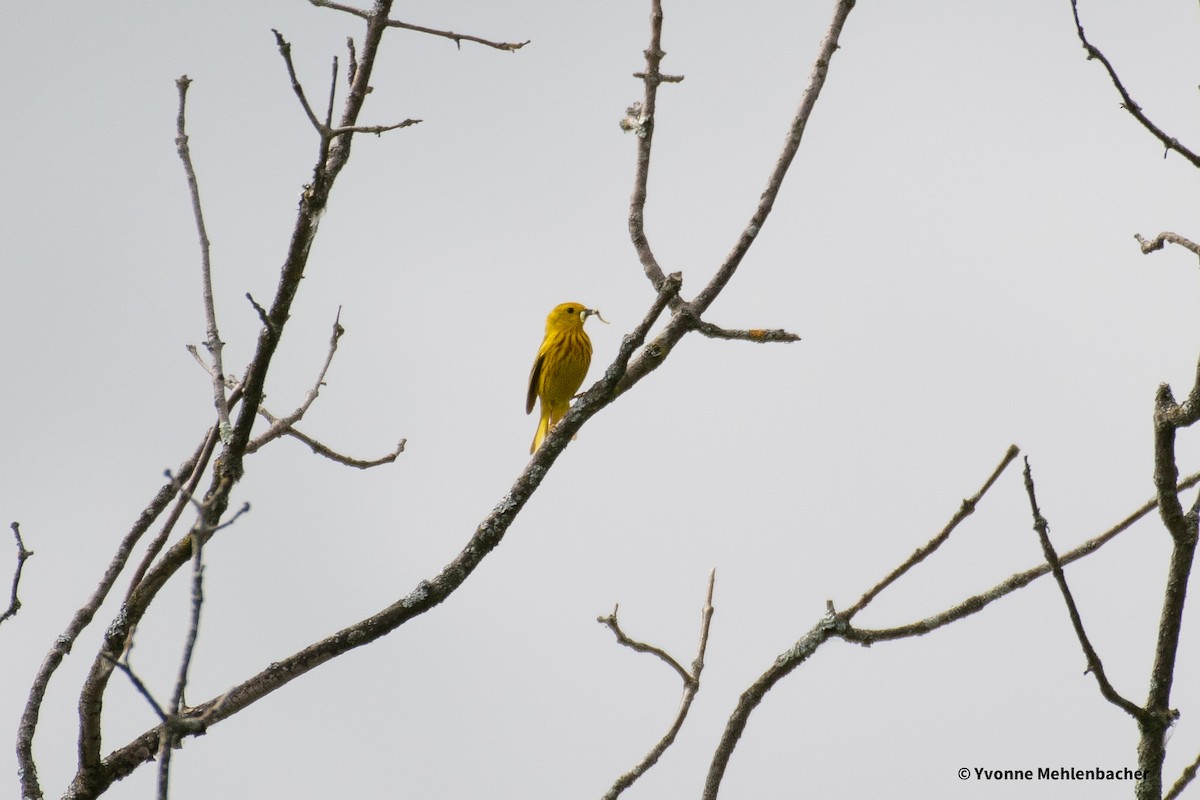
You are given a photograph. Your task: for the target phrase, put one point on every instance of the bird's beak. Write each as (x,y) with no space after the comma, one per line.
(594,312)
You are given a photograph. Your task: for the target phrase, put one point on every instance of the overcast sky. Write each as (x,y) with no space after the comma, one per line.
(954,244)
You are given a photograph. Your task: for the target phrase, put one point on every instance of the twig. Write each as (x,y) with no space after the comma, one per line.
(213,341)
(169,731)
(332,94)
(27,727)
(795,134)
(457,38)
(1186,777)
(327,452)
(836,625)
(759,335)
(262,313)
(920,554)
(281,426)
(285,50)
(142,689)
(1095,665)
(833,624)
(1157,243)
(375,129)
(203,455)
(1127,102)
(644,115)
(352,67)
(611,622)
(14,603)
(977,603)
(326,129)
(691,685)
(797,654)
(688,319)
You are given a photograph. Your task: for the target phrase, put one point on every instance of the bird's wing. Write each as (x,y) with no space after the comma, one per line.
(535,375)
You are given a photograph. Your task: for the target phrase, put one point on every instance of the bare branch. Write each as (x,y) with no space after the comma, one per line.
(332,94)
(281,426)
(796,655)
(203,455)
(169,731)
(323,450)
(142,689)
(1169,416)
(285,50)
(611,622)
(285,426)
(1095,666)
(27,727)
(14,603)
(213,341)
(976,603)
(1127,102)
(760,335)
(795,134)
(262,313)
(204,526)
(642,115)
(687,319)
(691,685)
(965,510)
(835,624)
(375,129)
(326,129)
(1157,243)
(457,38)
(1186,777)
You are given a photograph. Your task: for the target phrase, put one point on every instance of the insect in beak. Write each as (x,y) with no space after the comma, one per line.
(593,312)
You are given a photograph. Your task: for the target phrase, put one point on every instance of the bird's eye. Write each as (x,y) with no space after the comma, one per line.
(571,310)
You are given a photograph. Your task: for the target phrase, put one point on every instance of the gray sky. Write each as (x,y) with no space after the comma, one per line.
(954,244)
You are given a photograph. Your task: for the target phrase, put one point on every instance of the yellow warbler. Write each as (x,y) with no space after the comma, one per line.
(561,364)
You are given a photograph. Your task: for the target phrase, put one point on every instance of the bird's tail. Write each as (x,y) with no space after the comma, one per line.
(542,429)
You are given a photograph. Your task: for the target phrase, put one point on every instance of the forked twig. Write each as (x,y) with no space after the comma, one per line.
(610,621)
(640,118)
(27,727)
(281,426)
(325,129)
(836,624)
(691,685)
(327,452)
(920,554)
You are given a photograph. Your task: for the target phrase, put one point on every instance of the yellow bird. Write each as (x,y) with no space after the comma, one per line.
(560,367)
